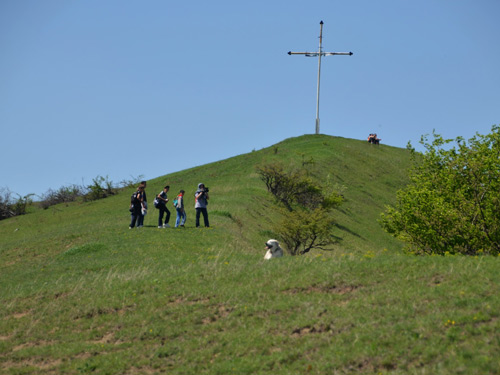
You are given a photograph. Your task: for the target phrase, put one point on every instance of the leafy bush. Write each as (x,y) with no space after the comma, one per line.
(307,221)
(304,230)
(101,188)
(452,204)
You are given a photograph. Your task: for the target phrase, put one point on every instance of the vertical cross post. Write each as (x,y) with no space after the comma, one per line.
(319,54)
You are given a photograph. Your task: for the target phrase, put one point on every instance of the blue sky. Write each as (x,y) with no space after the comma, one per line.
(124,88)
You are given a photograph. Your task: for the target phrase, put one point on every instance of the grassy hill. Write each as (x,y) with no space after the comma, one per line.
(81,293)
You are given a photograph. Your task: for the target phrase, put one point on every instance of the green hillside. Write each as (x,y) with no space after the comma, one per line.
(81,293)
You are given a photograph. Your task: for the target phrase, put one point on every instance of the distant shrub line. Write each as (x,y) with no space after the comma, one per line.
(10,207)
(100,188)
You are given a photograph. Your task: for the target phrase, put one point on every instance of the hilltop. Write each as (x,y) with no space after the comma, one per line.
(81,293)
(367,175)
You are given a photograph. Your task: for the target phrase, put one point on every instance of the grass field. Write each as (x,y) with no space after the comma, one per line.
(81,293)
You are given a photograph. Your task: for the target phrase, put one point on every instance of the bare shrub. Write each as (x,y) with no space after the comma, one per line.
(13,207)
(5,204)
(64,194)
(132,182)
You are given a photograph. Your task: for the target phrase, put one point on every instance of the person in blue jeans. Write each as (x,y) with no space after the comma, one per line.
(181,213)
(201,197)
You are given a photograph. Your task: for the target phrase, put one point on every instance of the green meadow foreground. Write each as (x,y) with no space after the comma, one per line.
(81,293)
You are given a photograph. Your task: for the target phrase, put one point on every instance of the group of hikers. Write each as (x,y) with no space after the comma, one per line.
(372,138)
(139,206)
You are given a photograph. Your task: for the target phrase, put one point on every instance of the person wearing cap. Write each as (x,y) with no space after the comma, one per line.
(201,201)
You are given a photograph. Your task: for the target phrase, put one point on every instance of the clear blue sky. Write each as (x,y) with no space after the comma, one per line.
(124,88)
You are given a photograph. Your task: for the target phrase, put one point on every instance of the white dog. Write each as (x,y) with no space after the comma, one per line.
(273,249)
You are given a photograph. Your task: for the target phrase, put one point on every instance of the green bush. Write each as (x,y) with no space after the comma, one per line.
(303,230)
(452,204)
(101,188)
(307,222)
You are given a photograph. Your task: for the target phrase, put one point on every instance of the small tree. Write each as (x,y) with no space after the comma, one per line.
(304,230)
(452,204)
(307,221)
(295,188)
(282,185)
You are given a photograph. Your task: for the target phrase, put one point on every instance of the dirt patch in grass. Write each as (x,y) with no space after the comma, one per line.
(371,366)
(184,301)
(31,345)
(21,314)
(307,330)
(220,313)
(335,289)
(104,311)
(61,295)
(436,280)
(319,329)
(106,339)
(40,364)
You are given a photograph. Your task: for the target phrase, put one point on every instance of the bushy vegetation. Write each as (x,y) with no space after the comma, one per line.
(307,222)
(64,194)
(452,204)
(10,206)
(101,187)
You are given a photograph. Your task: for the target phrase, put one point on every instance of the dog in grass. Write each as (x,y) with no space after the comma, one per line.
(273,249)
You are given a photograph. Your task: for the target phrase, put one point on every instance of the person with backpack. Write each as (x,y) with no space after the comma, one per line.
(179,207)
(136,206)
(161,204)
(201,197)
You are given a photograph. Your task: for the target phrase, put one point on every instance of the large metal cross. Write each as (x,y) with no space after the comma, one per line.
(319,54)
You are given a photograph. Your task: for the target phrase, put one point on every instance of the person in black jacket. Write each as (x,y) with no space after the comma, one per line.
(136,205)
(144,210)
(162,207)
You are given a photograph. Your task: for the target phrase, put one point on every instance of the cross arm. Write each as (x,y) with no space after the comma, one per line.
(314,54)
(337,53)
